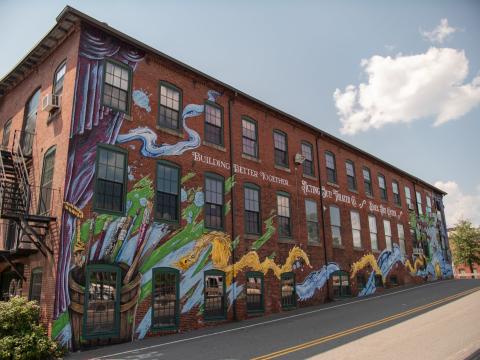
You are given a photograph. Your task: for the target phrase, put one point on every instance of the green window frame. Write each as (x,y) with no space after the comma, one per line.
(35,291)
(101,304)
(101,182)
(216,300)
(168,192)
(341,284)
(331,167)
(170,98)
(214,207)
(114,87)
(213,129)
(249,137)
(162,298)
(252,209)
(254,291)
(46,182)
(284,215)
(383,189)
(280,148)
(288,292)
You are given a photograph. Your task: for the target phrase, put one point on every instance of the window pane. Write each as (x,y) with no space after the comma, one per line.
(214,295)
(334,216)
(116,88)
(283,205)
(280,141)
(164,303)
(254,292)
(249,132)
(288,290)
(307,151)
(330,161)
(109,189)
(311,210)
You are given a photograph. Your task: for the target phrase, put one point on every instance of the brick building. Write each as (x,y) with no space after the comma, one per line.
(141,196)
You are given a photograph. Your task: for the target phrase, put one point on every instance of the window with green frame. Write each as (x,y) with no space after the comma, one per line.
(254,291)
(165,298)
(117,86)
(101,316)
(167,192)
(213,123)
(249,137)
(288,291)
(110,179)
(252,208)
(214,295)
(36,285)
(214,201)
(341,284)
(170,106)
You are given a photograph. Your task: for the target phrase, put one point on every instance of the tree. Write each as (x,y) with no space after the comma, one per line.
(466,242)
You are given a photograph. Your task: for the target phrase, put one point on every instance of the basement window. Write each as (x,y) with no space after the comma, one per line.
(289,295)
(254,290)
(165,298)
(214,295)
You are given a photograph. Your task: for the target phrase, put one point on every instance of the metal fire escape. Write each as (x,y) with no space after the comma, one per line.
(24,232)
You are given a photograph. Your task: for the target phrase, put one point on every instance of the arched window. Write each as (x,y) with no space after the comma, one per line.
(341,284)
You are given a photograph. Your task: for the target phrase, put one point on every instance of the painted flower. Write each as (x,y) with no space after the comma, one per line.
(183,195)
(199,199)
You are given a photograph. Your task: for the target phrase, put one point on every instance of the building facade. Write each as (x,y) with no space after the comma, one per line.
(143,197)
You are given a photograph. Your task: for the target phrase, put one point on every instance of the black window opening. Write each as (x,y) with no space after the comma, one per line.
(214,295)
(361,282)
(288,292)
(111,175)
(36,285)
(378,280)
(367,181)
(341,284)
(45,200)
(281,148)
(213,124)
(168,189)
(165,298)
(29,123)
(307,152)
(393,280)
(249,137)
(382,186)
(102,301)
(116,87)
(252,209)
(331,167)
(311,213)
(396,193)
(283,215)
(170,106)
(214,198)
(6,133)
(351,180)
(58,79)
(254,291)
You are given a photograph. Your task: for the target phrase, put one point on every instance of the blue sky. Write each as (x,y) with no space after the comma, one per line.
(294,55)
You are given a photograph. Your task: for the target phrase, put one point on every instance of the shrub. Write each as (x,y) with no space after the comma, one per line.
(21,336)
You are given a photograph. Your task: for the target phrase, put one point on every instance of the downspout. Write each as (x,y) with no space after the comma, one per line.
(232,198)
(329,298)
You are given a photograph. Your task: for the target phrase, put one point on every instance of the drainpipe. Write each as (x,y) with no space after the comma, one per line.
(233,208)
(329,298)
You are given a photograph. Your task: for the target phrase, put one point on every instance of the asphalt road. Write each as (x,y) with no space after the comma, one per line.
(406,319)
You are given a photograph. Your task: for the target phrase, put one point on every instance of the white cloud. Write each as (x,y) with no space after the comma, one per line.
(440,33)
(458,205)
(406,88)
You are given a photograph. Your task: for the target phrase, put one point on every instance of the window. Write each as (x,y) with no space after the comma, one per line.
(214,191)
(169,107)
(307,151)
(401,238)
(388,234)
(58,79)
(281,148)
(45,201)
(331,168)
(312,221)
(429,205)
(252,209)
(341,284)
(213,124)
(372,225)
(335,223)
(419,203)
(102,301)
(111,178)
(351,181)
(29,123)
(383,186)
(116,88)
(249,137)
(396,193)
(36,285)
(214,295)
(361,283)
(6,133)
(283,215)
(356,229)
(393,280)
(165,298)
(378,281)
(168,188)
(254,291)
(408,198)
(367,181)
(289,297)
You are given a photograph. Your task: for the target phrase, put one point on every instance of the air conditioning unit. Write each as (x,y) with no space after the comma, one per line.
(299,159)
(51,102)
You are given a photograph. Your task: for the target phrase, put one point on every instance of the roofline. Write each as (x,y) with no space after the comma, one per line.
(68,10)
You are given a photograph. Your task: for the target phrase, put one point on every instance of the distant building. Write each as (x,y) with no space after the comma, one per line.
(142,197)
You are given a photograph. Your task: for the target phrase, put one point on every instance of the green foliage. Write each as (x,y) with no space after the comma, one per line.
(21,337)
(466,244)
